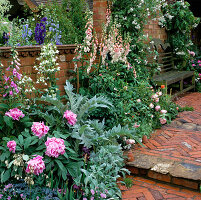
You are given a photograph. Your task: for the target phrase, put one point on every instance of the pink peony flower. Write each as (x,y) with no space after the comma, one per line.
(162,120)
(157,108)
(39,129)
(71,117)
(35,165)
(163,111)
(11,145)
(54,147)
(15,113)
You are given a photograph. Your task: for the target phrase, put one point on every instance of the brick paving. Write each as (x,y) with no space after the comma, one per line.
(145,189)
(172,155)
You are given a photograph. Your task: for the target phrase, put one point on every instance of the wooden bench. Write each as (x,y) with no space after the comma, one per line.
(169,74)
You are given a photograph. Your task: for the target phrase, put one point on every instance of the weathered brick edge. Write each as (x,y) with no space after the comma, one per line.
(195,185)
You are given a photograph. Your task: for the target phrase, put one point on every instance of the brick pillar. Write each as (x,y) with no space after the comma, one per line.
(99,11)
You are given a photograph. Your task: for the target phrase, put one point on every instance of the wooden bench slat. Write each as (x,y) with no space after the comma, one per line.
(168,74)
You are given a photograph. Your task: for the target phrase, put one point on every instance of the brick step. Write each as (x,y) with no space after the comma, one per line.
(165,178)
(168,170)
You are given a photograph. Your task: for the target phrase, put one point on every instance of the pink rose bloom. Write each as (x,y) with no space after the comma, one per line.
(157,108)
(151,105)
(199,61)
(103,195)
(54,147)
(177,108)
(130,141)
(156,100)
(162,120)
(11,145)
(193,65)
(154,96)
(199,64)
(39,129)
(15,113)
(136,125)
(35,165)
(71,117)
(159,93)
(163,111)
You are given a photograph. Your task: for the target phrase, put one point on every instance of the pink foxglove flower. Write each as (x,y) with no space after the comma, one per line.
(15,113)
(162,120)
(39,129)
(71,117)
(35,165)
(11,145)
(157,108)
(54,147)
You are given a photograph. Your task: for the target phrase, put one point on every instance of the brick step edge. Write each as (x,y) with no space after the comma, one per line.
(167,178)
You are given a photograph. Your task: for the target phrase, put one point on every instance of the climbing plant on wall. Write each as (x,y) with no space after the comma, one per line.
(179,21)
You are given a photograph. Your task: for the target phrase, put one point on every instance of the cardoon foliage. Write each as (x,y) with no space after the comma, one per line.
(40,31)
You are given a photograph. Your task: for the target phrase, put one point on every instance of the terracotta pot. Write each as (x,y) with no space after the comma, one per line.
(130,156)
(144,139)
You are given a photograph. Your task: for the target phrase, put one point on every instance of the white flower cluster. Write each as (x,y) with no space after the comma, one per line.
(27,83)
(48,65)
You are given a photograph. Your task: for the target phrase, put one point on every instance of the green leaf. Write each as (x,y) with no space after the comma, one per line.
(3,105)
(21,139)
(8,121)
(40,148)
(61,166)
(4,155)
(27,143)
(5,176)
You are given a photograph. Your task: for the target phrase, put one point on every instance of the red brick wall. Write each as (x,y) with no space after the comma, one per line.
(99,10)
(154,30)
(28,55)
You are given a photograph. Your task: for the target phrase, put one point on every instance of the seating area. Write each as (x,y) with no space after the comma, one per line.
(168,73)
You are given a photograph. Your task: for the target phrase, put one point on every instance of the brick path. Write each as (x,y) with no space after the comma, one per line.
(171,155)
